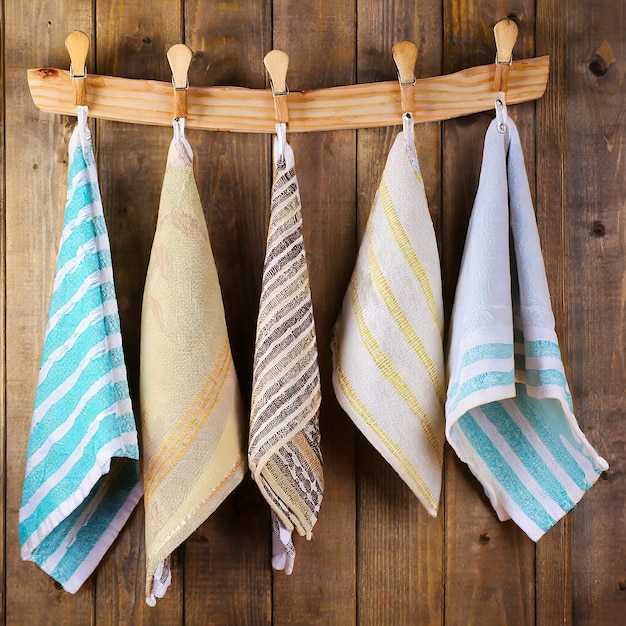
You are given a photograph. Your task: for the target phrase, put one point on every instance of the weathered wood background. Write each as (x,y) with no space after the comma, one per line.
(377,558)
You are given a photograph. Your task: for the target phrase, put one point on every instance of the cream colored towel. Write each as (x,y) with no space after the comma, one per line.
(284,449)
(388,367)
(193,423)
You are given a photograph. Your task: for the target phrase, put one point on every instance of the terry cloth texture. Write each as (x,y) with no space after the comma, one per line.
(388,365)
(193,421)
(509,409)
(75,499)
(284,446)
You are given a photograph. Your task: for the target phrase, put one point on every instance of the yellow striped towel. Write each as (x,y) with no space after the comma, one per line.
(193,422)
(388,366)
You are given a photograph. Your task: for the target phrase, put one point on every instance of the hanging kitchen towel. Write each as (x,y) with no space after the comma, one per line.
(388,367)
(509,409)
(193,422)
(284,447)
(77,495)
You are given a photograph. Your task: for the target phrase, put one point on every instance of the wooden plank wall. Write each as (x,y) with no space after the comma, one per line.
(376,558)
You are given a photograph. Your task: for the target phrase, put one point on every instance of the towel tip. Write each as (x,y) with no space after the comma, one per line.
(151,600)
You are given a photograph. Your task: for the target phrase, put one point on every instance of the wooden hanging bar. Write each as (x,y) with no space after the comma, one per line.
(239,109)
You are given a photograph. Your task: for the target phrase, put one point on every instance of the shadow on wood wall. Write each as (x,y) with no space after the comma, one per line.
(376,558)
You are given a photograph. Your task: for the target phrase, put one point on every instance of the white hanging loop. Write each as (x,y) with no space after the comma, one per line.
(408,128)
(179,134)
(501,114)
(281,142)
(179,128)
(83,112)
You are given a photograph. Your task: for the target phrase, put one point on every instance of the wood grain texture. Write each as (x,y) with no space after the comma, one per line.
(399,546)
(253,110)
(553,553)
(322,588)
(3,467)
(35,199)
(131,41)
(489,565)
(375,558)
(594,189)
(227,562)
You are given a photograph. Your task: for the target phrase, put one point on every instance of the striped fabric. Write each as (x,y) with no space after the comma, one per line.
(284,447)
(76,499)
(509,409)
(193,422)
(388,367)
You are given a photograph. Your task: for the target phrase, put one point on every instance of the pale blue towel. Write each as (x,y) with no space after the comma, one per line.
(75,501)
(509,412)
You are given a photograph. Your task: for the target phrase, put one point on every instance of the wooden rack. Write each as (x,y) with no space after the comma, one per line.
(252,110)
(257,110)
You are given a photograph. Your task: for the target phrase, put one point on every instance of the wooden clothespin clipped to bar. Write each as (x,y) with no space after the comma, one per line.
(276,63)
(77,44)
(405,56)
(505,33)
(179,57)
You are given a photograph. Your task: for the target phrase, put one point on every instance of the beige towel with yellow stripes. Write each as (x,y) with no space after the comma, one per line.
(193,422)
(388,365)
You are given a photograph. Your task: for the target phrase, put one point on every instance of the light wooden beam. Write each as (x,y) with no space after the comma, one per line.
(239,109)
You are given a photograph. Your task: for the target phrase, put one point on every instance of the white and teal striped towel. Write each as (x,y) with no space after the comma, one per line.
(509,410)
(75,501)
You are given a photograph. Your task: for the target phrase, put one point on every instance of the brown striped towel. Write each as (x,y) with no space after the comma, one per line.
(193,421)
(388,366)
(284,448)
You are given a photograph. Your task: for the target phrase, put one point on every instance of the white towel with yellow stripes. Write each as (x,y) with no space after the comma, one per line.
(388,366)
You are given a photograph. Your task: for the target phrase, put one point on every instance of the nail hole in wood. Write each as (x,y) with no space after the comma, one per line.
(598,66)
(484,537)
(147,40)
(598,229)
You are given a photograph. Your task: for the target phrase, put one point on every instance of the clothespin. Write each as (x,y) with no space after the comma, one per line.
(505,33)
(77,44)
(179,57)
(276,62)
(405,56)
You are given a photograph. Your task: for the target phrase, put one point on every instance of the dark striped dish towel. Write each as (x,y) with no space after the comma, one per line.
(509,410)
(284,447)
(77,494)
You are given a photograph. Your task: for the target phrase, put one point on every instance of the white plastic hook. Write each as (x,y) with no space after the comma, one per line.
(501,114)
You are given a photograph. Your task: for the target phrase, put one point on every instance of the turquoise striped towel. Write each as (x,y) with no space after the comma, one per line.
(509,412)
(75,501)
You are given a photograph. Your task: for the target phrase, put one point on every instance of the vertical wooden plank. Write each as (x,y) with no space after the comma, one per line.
(227,561)
(489,565)
(319,37)
(553,552)
(3,466)
(132,41)
(399,546)
(594,192)
(36,185)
